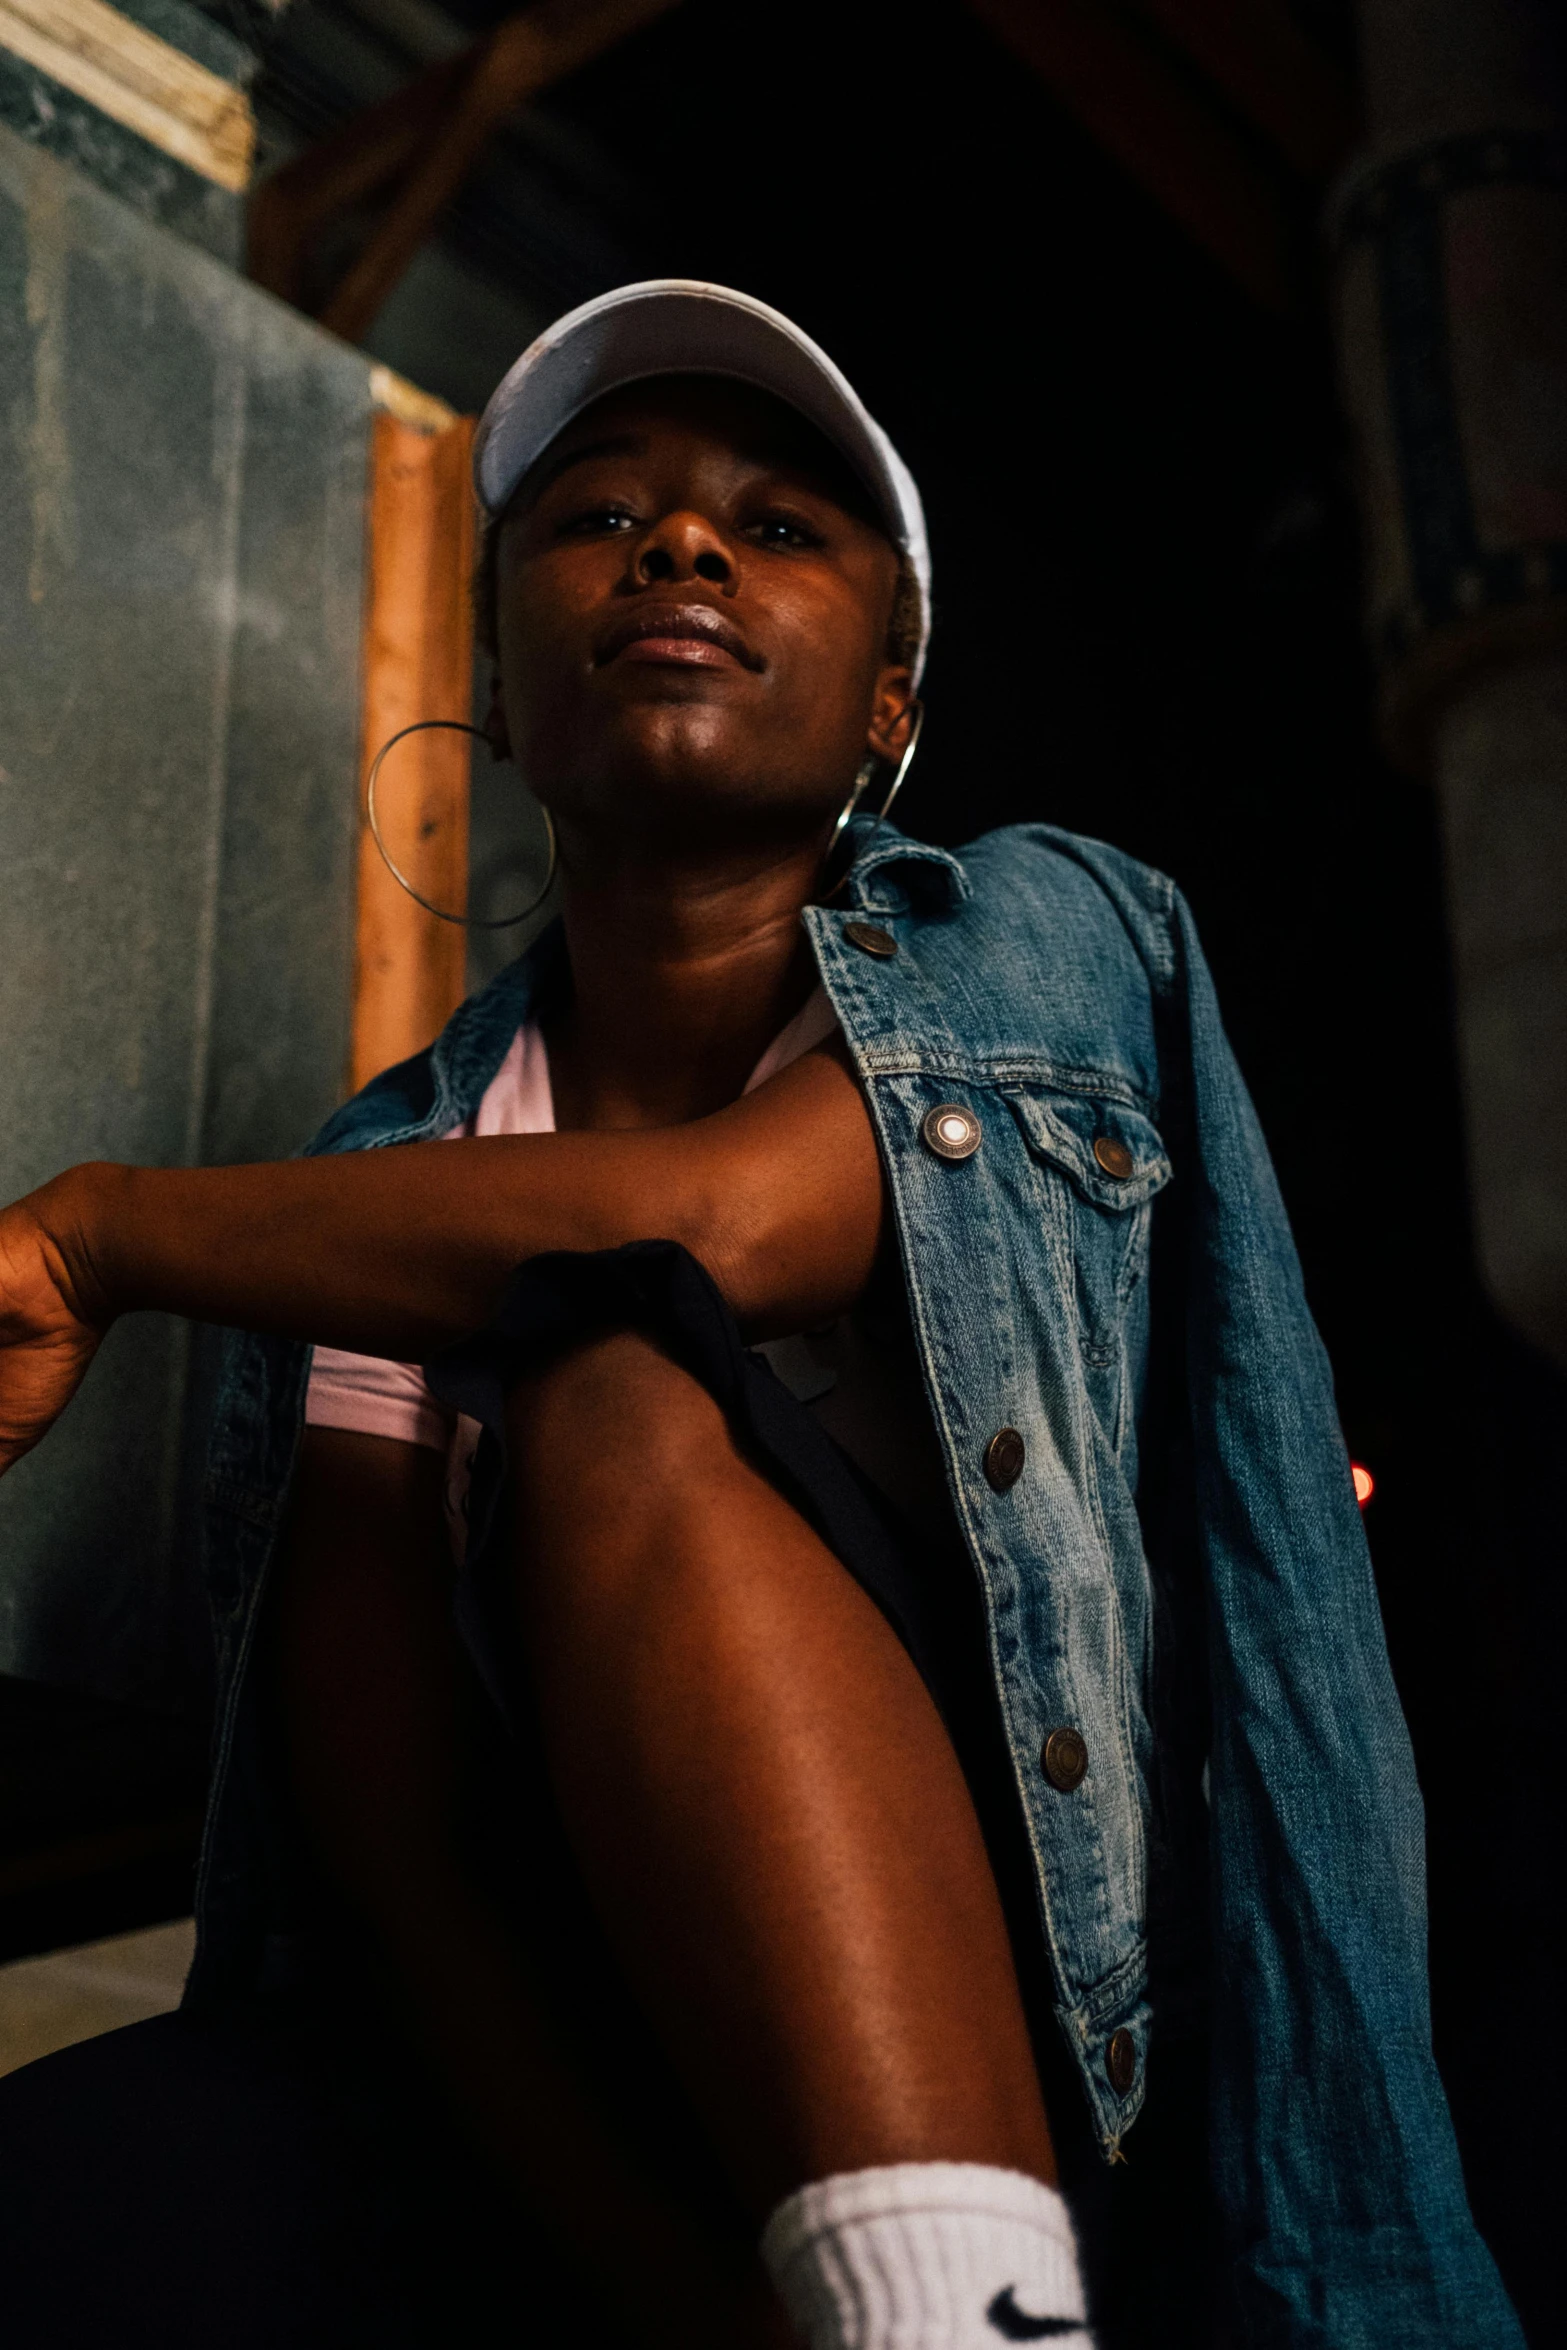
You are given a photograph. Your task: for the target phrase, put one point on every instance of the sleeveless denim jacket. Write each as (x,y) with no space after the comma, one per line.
(1178,1575)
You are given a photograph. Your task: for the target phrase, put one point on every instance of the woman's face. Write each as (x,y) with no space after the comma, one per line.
(692,616)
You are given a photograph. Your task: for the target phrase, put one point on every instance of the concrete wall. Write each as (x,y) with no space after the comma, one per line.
(182,481)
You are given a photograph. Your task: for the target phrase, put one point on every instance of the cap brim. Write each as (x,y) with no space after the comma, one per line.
(680,326)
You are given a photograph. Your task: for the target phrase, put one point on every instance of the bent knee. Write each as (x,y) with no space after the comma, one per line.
(615,1416)
(622,1467)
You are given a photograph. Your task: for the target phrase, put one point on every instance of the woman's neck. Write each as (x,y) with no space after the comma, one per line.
(681,978)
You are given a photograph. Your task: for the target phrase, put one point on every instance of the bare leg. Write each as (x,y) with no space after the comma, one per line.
(762,1795)
(370,1693)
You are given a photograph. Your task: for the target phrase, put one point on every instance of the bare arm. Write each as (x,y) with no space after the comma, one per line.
(396,1252)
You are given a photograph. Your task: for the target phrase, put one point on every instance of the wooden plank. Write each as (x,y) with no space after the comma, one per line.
(418,663)
(525,54)
(1141,111)
(359,159)
(428,135)
(151,87)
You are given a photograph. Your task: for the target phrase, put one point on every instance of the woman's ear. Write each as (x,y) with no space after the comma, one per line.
(495,730)
(892,714)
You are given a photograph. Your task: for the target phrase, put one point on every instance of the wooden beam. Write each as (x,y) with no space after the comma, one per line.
(146,84)
(521,57)
(432,131)
(1256,53)
(355,161)
(418,663)
(1144,114)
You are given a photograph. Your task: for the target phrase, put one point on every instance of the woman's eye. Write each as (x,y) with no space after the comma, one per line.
(781,530)
(596,519)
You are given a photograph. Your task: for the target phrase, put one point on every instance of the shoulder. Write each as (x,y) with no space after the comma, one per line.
(438,1088)
(1054,960)
(1034,873)
(396,1103)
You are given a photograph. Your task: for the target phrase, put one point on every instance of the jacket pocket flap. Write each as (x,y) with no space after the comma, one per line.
(1113,1155)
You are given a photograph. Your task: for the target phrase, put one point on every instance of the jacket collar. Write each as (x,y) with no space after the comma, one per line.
(888,870)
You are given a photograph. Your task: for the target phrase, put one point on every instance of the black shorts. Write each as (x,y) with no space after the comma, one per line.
(922,1584)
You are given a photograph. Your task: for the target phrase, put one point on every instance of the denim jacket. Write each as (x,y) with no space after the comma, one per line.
(1177,1573)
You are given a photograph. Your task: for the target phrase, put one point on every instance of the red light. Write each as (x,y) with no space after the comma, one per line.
(1365,1483)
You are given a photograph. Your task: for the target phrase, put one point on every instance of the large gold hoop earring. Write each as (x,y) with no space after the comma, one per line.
(905,763)
(464,921)
(850,808)
(847,812)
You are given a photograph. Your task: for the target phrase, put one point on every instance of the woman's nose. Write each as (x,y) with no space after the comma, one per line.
(683,546)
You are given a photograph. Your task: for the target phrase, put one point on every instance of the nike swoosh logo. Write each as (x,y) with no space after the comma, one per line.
(1005,2315)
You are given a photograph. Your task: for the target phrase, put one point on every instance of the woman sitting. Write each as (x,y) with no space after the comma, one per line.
(910,1696)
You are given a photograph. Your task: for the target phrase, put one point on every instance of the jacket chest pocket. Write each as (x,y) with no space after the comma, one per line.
(1103,1164)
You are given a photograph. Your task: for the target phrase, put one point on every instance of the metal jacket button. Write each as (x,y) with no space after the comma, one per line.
(870,940)
(1065,1757)
(951,1131)
(1121,2061)
(1113,1156)
(1004,1459)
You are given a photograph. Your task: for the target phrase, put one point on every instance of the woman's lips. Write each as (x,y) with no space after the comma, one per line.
(683,652)
(684,636)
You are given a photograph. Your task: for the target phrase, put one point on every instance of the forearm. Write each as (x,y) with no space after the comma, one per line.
(398,1251)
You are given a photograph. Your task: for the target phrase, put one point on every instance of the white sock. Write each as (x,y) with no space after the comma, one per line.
(927,2256)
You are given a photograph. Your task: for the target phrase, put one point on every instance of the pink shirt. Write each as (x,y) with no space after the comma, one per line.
(378,1397)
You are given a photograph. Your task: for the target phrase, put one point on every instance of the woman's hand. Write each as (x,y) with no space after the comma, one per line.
(51,1317)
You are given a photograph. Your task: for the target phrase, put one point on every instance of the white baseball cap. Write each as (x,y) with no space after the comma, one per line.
(680,326)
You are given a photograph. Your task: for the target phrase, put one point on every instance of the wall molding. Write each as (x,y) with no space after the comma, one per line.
(139,81)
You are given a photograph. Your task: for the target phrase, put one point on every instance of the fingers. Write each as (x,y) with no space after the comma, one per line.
(45,1343)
